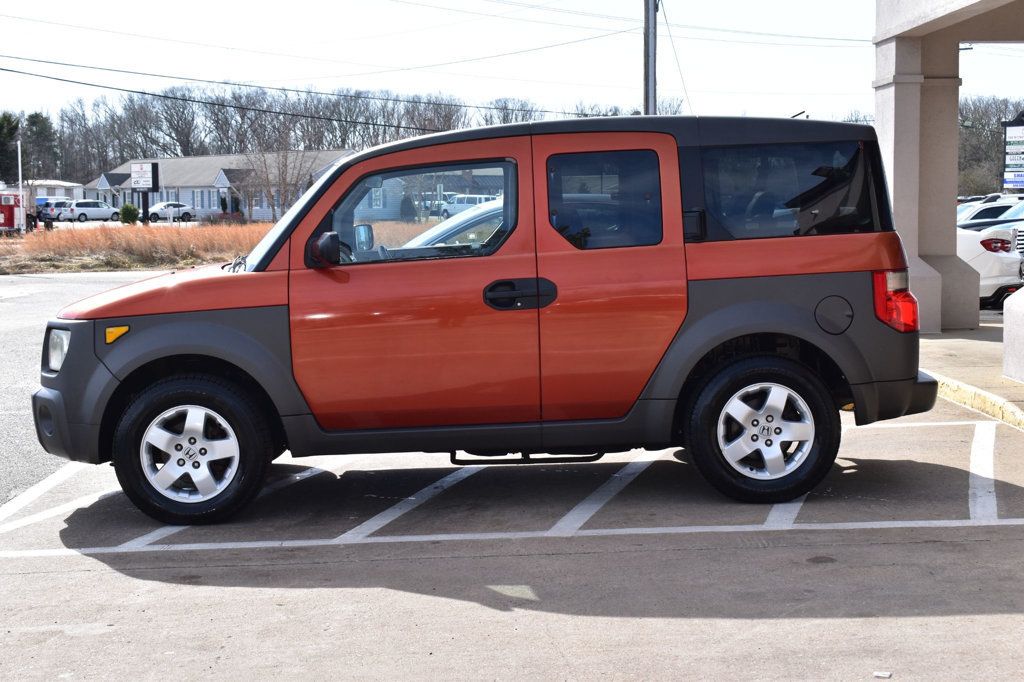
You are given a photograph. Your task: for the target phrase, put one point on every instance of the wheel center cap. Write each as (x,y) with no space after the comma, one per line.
(190,452)
(765,430)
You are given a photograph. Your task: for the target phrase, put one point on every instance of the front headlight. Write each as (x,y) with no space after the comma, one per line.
(57,348)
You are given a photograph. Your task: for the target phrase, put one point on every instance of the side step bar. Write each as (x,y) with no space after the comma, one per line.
(521,458)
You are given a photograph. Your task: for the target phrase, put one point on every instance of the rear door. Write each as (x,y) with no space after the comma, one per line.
(418,331)
(610,237)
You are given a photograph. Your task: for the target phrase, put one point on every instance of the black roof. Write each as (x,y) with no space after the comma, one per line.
(689,131)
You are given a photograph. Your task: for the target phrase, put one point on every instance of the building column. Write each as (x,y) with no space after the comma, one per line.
(917,119)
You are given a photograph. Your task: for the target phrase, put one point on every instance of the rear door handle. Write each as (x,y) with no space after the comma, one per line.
(520,294)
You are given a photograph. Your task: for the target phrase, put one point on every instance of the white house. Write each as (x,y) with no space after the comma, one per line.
(257,186)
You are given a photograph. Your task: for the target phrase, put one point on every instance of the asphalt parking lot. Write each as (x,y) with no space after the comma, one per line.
(904,561)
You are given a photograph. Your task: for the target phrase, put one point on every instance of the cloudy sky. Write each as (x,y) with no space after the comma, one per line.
(741,57)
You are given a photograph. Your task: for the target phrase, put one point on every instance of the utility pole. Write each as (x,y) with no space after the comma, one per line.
(650,57)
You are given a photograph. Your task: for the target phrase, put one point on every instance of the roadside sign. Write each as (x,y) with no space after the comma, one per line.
(145,176)
(1013,166)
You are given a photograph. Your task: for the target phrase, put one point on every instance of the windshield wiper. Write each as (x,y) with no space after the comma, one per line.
(237,264)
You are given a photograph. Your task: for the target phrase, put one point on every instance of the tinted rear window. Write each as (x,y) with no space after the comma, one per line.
(786,190)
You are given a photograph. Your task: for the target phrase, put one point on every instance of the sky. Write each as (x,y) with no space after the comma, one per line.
(740,57)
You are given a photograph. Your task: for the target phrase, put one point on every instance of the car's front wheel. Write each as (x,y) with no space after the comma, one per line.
(115,216)
(154,218)
(191,449)
(763,429)
(445,214)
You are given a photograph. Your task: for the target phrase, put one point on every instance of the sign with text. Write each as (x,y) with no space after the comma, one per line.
(146,176)
(1013,170)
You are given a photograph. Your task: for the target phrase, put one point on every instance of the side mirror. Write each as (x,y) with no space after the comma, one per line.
(328,250)
(364,237)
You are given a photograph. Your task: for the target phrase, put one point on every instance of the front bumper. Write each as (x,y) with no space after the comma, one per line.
(58,436)
(68,409)
(881,400)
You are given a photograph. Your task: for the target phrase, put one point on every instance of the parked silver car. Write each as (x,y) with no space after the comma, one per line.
(90,209)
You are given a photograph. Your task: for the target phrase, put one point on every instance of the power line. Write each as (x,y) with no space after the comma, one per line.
(489,15)
(239,107)
(493,56)
(675,54)
(282,89)
(194,43)
(616,17)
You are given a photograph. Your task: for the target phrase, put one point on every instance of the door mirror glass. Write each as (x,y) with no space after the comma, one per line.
(363,237)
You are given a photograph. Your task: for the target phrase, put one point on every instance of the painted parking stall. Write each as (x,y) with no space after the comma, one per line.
(952,468)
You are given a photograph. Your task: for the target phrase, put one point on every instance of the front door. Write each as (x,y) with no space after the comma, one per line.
(610,237)
(425,325)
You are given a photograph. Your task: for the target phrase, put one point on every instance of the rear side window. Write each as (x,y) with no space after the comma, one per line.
(990,213)
(600,200)
(786,190)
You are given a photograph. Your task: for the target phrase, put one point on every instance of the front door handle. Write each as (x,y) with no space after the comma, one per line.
(520,294)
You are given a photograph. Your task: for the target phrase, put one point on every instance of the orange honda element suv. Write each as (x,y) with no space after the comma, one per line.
(725,285)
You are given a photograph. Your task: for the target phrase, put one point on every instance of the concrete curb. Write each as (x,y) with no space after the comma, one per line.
(977,399)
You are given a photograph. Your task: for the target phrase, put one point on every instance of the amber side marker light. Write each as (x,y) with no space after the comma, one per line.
(114,333)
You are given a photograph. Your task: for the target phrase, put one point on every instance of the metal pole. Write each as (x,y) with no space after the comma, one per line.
(21,194)
(650,57)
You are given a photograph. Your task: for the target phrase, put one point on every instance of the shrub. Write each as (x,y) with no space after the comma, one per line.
(129,214)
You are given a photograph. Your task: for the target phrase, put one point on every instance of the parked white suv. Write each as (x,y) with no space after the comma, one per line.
(460,202)
(90,209)
(993,252)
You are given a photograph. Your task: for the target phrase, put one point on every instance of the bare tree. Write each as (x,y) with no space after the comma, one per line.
(509,110)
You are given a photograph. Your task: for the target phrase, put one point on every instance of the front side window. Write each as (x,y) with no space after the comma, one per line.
(384,217)
(600,200)
(990,213)
(785,190)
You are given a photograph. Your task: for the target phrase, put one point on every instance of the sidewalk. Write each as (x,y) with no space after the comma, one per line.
(969,366)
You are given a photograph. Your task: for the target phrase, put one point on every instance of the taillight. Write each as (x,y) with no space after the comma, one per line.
(894,304)
(996,245)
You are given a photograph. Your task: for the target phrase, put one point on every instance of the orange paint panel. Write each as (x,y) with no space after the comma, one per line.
(206,288)
(795,256)
(617,309)
(407,344)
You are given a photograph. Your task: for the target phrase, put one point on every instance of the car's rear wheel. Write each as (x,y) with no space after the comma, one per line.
(82,217)
(191,450)
(186,217)
(763,429)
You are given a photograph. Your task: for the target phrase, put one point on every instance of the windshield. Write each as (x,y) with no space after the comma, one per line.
(452,225)
(270,238)
(964,209)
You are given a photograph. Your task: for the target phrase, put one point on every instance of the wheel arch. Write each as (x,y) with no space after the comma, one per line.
(180,365)
(250,346)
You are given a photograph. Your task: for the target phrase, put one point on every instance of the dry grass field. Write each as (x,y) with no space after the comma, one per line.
(137,247)
(127,247)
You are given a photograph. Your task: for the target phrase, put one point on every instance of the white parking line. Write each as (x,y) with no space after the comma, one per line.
(982,494)
(30,495)
(408,504)
(167,531)
(581,513)
(71,506)
(783,515)
(897,425)
(518,535)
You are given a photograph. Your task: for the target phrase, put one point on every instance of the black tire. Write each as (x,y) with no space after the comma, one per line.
(702,420)
(255,444)
(445,214)
(115,216)
(154,218)
(82,218)
(185,217)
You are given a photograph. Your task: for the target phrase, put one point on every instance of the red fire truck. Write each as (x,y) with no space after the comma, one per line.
(12,219)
